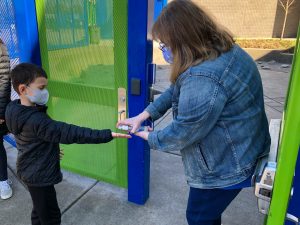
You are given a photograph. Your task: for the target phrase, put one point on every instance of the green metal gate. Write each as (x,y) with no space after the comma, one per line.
(84,79)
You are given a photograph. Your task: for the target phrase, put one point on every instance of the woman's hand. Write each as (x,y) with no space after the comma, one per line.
(135,122)
(119,135)
(144,134)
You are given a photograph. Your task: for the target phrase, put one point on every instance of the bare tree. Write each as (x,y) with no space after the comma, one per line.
(286,4)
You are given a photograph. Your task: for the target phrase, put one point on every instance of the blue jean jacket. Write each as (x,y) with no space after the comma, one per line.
(219,121)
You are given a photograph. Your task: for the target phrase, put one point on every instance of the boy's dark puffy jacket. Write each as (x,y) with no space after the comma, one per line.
(38,138)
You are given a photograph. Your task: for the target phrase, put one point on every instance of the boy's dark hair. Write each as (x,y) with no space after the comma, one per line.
(25,73)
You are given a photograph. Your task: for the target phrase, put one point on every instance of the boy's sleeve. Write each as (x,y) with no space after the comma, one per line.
(53,131)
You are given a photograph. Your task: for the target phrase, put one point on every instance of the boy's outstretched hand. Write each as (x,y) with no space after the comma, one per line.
(119,135)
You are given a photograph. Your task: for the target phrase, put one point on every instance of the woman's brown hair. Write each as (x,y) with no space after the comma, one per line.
(191,34)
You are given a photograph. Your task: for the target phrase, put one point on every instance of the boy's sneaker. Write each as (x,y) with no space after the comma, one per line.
(5,189)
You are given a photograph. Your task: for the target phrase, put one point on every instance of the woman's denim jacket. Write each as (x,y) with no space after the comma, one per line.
(219,121)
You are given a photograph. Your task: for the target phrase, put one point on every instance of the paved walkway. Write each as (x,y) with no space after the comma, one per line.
(85,201)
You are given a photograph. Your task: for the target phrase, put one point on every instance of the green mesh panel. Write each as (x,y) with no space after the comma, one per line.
(85,69)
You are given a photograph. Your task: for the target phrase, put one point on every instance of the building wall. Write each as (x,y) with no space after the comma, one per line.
(253,18)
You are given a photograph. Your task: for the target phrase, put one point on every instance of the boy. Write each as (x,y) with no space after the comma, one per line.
(38,138)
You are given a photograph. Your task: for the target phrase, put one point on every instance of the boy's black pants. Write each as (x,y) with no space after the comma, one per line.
(45,207)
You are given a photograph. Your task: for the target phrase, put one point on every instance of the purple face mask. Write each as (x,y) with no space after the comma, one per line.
(167,53)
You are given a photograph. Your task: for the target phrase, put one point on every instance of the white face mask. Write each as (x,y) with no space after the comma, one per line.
(39,97)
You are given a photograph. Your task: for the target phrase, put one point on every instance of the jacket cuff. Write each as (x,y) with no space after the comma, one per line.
(153,140)
(154,114)
(106,136)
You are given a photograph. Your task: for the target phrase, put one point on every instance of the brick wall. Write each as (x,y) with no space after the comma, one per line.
(253,18)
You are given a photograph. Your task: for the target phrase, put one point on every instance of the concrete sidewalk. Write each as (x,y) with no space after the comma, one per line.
(85,201)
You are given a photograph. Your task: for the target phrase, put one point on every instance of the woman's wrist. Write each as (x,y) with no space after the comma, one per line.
(144,115)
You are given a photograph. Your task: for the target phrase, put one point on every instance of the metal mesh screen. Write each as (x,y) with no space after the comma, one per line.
(8,30)
(8,34)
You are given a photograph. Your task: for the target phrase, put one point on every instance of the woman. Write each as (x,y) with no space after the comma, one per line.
(5,89)
(219,122)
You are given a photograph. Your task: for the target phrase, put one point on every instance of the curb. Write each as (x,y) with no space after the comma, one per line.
(266,55)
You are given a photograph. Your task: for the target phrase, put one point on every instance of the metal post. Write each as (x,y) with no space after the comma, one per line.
(288,147)
(138,58)
(27,31)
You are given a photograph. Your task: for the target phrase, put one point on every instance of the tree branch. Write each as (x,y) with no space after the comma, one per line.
(283,6)
(291,3)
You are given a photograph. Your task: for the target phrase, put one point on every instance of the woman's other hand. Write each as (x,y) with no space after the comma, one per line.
(144,134)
